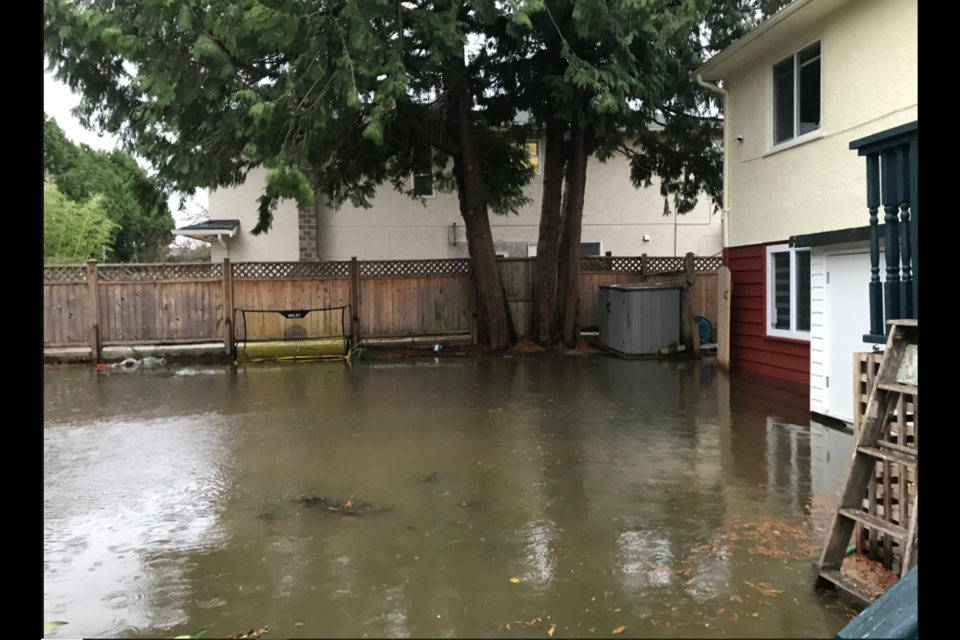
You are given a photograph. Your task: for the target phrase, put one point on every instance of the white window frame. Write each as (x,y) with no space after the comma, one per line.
(795,139)
(792,333)
(413,184)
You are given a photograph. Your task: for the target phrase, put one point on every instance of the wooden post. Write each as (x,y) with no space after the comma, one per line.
(228,329)
(910,555)
(93,302)
(724,291)
(690,327)
(355,300)
(644,268)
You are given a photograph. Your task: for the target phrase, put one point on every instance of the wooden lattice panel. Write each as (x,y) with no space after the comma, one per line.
(65,274)
(289,270)
(414,268)
(153,272)
(660,265)
(619,265)
(708,264)
(893,487)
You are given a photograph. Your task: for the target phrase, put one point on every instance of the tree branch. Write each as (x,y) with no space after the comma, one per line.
(440,142)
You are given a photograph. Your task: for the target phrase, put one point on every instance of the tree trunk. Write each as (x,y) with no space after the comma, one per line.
(493,313)
(573,217)
(546,312)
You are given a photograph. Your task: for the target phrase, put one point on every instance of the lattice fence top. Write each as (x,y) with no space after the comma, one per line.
(611,264)
(277,270)
(662,265)
(708,264)
(424,268)
(171,271)
(65,274)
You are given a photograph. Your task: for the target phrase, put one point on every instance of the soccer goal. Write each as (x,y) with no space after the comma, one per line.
(291,334)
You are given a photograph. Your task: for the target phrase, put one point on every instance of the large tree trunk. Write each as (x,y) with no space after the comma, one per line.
(570,242)
(493,313)
(546,312)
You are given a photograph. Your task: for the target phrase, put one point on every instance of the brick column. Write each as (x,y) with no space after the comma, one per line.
(307,219)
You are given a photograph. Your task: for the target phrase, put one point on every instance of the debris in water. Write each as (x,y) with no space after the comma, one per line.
(552,629)
(736,599)
(619,630)
(514,580)
(429,478)
(872,578)
(764,588)
(249,634)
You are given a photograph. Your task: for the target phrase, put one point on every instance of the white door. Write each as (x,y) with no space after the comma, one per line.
(847,319)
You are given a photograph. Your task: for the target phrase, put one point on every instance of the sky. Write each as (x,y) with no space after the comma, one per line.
(58,103)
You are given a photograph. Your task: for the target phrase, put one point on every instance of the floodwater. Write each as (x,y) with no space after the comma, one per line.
(665,498)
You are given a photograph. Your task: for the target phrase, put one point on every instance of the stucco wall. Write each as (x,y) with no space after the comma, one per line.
(281,243)
(397,227)
(869,83)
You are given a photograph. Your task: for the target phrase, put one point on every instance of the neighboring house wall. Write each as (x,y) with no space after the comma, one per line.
(397,227)
(281,243)
(868,84)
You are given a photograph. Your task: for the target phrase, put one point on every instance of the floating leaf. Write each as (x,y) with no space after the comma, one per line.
(619,629)
(736,599)
(552,628)
(53,624)
(514,580)
(720,613)
(508,626)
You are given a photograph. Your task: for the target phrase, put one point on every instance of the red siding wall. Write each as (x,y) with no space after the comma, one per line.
(750,348)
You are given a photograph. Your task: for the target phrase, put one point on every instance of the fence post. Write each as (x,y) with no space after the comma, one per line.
(643,267)
(691,332)
(228,307)
(93,302)
(354,300)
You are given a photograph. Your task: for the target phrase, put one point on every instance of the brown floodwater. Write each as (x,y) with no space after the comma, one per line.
(497,498)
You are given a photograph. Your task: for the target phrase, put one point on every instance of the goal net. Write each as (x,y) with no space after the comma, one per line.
(291,334)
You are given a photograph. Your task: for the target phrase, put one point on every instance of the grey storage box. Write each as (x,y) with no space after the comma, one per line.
(639,319)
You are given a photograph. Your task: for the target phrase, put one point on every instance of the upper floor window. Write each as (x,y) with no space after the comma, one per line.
(423,185)
(796,95)
(533,155)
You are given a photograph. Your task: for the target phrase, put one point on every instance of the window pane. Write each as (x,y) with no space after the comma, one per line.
(533,155)
(781,291)
(423,185)
(810,97)
(589,249)
(803,290)
(783,101)
(811,52)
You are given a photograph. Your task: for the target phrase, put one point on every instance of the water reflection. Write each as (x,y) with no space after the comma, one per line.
(612,490)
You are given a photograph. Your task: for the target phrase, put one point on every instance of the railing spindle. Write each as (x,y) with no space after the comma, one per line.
(873,205)
(906,280)
(888,186)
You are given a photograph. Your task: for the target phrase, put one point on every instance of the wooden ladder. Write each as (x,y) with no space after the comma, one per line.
(897,377)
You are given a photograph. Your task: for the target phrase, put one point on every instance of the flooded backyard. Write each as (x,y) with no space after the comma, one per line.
(489,497)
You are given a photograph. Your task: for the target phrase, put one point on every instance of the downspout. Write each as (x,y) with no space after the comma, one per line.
(227,249)
(725,211)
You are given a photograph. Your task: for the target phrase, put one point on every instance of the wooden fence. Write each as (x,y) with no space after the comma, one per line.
(129,304)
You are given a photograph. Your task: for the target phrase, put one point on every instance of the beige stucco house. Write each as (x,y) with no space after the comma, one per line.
(617,219)
(802,90)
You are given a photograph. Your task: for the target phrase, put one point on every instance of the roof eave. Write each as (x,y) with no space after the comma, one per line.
(713,69)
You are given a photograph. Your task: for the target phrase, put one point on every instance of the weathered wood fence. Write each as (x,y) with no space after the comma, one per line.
(129,304)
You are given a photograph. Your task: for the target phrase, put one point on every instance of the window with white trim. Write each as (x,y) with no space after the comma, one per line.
(788,292)
(796,95)
(423,185)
